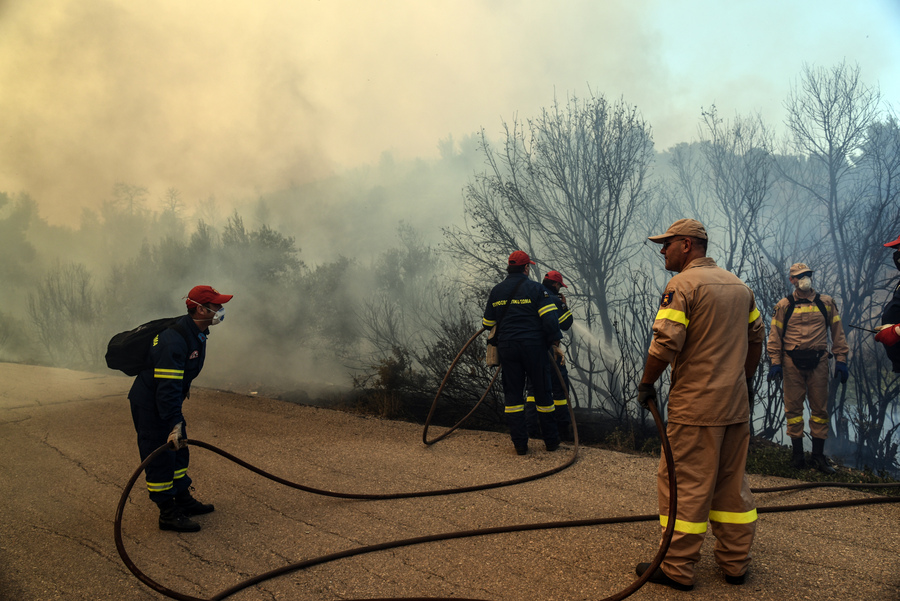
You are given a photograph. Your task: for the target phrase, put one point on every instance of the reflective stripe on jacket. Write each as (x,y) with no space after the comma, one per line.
(806,328)
(706,319)
(531,316)
(176,363)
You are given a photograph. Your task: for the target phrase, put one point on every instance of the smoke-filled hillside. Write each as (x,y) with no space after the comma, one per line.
(377,276)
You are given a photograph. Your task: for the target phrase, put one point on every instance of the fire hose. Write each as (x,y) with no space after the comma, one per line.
(657,561)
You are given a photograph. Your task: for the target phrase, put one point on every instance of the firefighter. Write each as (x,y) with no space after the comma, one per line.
(889,334)
(527,326)
(156,400)
(709,329)
(553,282)
(798,352)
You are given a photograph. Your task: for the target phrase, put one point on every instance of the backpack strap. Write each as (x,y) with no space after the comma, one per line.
(787,314)
(177,327)
(792,303)
(822,309)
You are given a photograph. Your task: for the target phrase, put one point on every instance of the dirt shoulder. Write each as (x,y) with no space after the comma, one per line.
(68,449)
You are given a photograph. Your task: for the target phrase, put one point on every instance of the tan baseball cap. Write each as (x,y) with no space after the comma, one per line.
(682,227)
(798,268)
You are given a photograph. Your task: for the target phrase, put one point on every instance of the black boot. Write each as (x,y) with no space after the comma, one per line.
(172,518)
(191,506)
(819,461)
(659,577)
(797,460)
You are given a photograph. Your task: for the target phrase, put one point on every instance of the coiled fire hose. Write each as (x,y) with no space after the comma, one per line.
(120,547)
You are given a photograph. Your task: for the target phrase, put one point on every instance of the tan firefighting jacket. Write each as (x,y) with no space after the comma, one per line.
(706,320)
(806,328)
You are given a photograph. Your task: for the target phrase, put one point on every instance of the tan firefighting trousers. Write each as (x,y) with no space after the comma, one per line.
(712,487)
(798,385)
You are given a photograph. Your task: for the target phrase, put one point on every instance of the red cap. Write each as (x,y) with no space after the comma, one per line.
(520,257)
(555,276)
(200,295)
(893,243)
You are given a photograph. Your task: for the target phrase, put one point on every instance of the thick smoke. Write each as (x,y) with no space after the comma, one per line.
(232,100)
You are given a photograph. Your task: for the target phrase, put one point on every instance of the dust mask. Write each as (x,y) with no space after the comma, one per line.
(804,283)
(219,317)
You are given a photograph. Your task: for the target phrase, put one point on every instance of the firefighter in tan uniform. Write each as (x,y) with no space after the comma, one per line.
(798,351)
(709,329)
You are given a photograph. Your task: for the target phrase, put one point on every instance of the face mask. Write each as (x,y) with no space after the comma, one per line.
(897,258)
(219,317)
(805,283)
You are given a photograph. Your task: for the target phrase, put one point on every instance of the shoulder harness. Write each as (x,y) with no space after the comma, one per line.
(792,303)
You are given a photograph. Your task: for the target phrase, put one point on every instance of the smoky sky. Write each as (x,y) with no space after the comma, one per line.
(235,98)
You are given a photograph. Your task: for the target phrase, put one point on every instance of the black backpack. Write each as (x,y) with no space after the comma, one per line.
(129,351)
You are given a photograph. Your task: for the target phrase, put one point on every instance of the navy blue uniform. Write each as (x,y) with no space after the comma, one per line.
(890,315)
(156,398)
(560,400)
(530,324)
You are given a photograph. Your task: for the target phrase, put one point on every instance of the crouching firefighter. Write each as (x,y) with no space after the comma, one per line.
(798,352)
(176,355)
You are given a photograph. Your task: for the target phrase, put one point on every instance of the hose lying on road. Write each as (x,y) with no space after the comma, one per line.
(452,535)
(667,535)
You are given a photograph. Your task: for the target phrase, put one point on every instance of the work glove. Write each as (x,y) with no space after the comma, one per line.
(840,369)
(888,335)
(750,390)
(775,373)
(646,395)
(176,438)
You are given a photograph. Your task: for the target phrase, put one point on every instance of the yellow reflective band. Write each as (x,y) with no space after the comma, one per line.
(156,340)
(515,408)
(673,315)
(559,402)
(777,323)
(545,408)
(794,420)
(836,318)
(565,316)
(807,309)
(682,526)
(488,323)
(168,374)
(180,473)
(731,517)
(529,399)
(754,315)
(159,486)
(546,309)
(818,420)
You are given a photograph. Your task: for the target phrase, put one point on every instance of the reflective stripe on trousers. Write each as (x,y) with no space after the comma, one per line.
(712,488)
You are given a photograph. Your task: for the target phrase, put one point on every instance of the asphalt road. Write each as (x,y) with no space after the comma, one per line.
(68,449)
